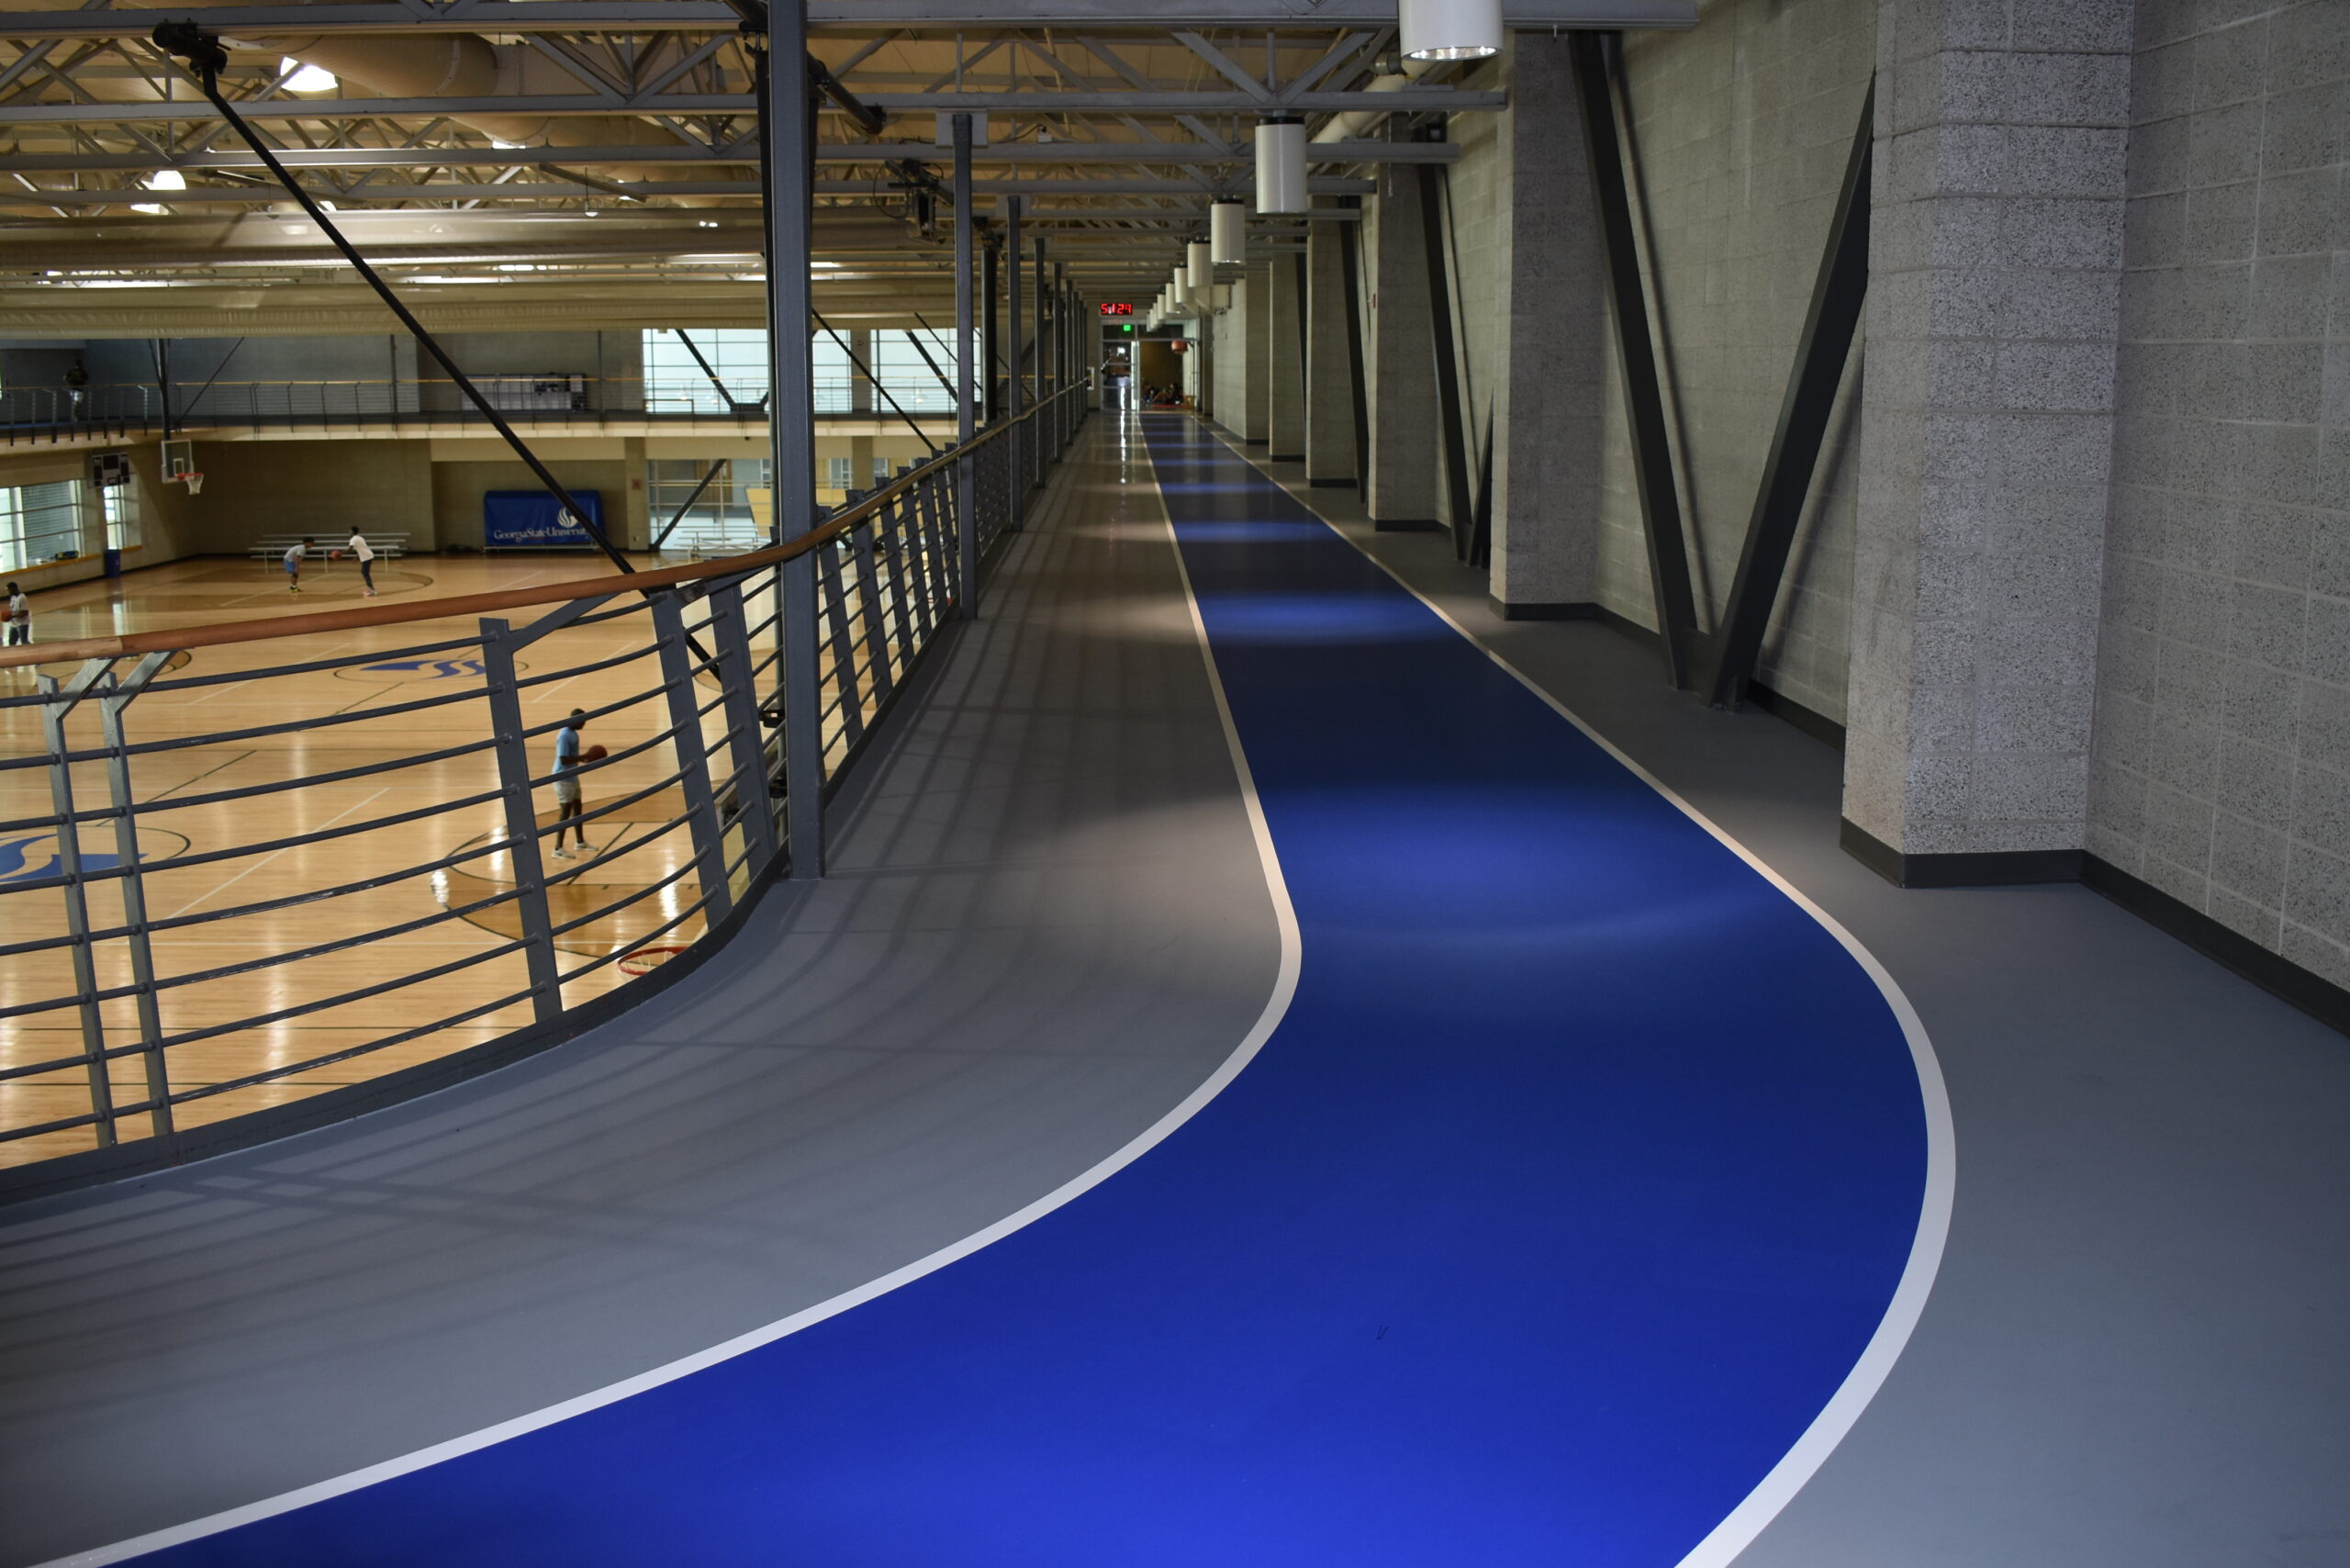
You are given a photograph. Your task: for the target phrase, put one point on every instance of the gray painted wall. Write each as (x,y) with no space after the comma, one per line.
(2221,764)
(1741,126)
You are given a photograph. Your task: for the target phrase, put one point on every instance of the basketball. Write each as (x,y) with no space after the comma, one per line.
(594,754)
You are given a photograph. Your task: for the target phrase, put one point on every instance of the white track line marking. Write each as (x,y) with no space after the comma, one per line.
(1277,1004)
(1786,1478)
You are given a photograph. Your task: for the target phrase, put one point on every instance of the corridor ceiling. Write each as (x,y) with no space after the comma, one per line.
(528,161)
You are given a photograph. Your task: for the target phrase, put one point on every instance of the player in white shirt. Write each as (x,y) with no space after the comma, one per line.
(365,554)
(20,616)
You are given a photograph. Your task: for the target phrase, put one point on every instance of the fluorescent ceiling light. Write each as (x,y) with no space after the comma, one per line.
(306,78)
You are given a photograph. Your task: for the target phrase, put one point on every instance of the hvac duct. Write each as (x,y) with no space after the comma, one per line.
(1281,166)
(1228,233)
(1202,271)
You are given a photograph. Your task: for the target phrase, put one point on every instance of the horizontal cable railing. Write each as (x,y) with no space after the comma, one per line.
(228,885)
(35,414)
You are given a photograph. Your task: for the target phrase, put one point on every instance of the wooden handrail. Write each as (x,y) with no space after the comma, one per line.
(185,637)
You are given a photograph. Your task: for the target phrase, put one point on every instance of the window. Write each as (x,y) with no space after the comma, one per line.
(836,475)
(121,503)
(40,522)
(720,521)
(675,382)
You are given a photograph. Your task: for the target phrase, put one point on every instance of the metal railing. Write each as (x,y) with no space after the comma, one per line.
(238,897)
(34,415)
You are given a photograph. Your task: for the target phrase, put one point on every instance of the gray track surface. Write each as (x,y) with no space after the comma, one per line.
(2136,1353)
(1047,924)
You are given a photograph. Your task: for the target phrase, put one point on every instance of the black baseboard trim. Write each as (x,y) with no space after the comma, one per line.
(1785,708)
(1330,483)
(1405,525)
(1284,457)
(2272,972)
(1992,868)
(1569,610)
(1247,441)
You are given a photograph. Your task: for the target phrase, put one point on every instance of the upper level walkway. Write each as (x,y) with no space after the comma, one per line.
(1267,1082)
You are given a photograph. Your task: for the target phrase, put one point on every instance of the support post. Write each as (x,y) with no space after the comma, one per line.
(787,121)
(1837,294)
(966,512)
(519,803)
(1460,504)
(1046,329)
(731,632)
(1018,468)
(58,700)
(134,888)
(991,334)
(684,703)
(1351,265)
(1636,356)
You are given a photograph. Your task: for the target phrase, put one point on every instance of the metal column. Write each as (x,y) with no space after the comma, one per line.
(967,498)
(1835,297)
(1676,610)
(1017,469)
(789,125)
(1047,330)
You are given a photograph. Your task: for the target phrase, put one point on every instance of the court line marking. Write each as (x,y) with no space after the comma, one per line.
(265,859)
(1276,1006)
(1777,1488)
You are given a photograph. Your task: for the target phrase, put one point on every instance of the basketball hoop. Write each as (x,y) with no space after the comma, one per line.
(644,960)
(193,481)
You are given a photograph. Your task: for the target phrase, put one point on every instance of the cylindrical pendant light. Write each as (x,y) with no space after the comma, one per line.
(1228,233)
(1202,267)
(1449,30)
(1281,166)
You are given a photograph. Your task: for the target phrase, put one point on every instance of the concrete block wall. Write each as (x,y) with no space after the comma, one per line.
(1740,130)
(2220,772)
(1987,423)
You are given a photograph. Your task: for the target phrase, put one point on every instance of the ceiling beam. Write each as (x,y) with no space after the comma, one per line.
(860,15)
(542,190)
(1418,100)
(552,158)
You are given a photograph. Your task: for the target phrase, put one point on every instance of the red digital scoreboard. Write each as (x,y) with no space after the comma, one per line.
(1115,307)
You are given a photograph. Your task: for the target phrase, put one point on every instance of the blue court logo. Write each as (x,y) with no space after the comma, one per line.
(428,669)
(35,858)
(30,858)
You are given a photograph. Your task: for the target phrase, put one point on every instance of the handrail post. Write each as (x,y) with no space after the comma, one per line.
(134,888)
(730,634)
(877,636)
(498,643)
(703,826)
(1016,462)
(966,520)
(76,891)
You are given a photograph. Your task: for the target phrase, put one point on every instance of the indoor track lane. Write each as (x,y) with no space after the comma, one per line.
(1583,1193)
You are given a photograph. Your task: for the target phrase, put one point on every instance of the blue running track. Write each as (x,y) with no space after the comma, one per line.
(1574,1185)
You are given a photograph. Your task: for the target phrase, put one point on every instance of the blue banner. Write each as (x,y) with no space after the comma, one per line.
(532,520)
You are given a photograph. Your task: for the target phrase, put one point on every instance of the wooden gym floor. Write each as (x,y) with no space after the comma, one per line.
(248,813)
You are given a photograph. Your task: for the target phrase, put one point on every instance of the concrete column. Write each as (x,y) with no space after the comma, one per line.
(1285,362)
(1330,388)
(1256,326)
(860,386)
(1986,434)
(1549,387)
(1404,434)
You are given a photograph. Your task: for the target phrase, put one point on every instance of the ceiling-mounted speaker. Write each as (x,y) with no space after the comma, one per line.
(1281,166)
(1449,30)
(1228,233)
